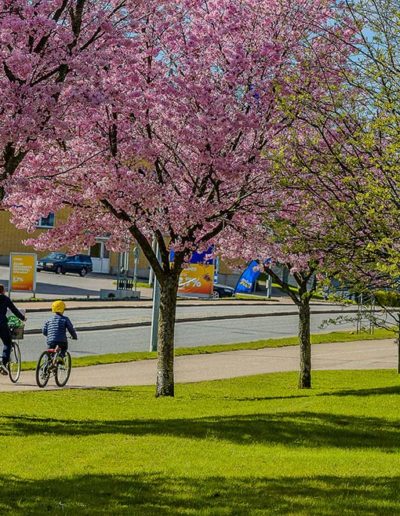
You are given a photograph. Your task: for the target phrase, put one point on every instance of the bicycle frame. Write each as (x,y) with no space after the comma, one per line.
(49,364)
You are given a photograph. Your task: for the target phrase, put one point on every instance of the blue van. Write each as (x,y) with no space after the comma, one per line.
(61,263)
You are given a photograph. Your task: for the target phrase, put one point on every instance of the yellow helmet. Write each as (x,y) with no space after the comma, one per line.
(58,307)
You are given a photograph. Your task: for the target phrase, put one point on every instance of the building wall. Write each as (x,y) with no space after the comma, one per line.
(11,238)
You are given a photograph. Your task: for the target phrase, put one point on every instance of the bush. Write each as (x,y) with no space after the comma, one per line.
(387,298)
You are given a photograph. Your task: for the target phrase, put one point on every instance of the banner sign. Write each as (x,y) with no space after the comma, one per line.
(22,272)
(197,277)
(248,278)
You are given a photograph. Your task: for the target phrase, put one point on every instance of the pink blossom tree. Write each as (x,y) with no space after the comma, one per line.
(46,50)
(172,139)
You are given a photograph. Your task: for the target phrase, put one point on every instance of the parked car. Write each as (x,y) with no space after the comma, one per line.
(61,263)
(222,291)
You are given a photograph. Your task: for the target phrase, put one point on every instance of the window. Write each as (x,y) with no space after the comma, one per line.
(46,222)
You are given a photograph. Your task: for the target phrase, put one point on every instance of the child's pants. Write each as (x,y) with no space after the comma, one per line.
(62,345)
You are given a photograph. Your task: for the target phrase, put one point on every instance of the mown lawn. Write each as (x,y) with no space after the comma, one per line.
(253,445)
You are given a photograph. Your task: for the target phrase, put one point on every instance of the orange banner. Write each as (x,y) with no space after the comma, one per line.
(196,279)
(22,272)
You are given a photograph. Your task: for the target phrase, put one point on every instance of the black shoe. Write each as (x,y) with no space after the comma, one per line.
(4,369)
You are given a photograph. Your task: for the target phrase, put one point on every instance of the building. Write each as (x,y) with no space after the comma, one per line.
(104,261)
(11,241)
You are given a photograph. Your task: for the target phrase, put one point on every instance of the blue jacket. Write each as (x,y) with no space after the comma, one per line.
(55,329)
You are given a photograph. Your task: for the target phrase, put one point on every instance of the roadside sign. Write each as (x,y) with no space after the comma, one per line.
(197,279)
(22,272)
(197,276)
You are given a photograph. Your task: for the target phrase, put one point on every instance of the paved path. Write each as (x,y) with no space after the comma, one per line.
(349,355)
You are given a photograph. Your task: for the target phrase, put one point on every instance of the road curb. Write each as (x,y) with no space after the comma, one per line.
(148,305)
(122,325)
(145,304)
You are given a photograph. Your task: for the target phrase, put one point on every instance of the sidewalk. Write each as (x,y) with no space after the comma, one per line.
(369,354)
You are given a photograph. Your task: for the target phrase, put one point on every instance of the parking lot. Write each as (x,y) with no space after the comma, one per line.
(50,285)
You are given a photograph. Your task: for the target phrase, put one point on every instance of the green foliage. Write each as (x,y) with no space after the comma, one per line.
(253,445)
(387,298)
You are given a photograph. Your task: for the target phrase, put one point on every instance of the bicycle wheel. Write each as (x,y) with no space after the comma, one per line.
(43,369)
(63,371)
(14,365)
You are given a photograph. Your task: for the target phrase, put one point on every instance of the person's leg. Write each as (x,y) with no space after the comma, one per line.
(62,345)
(5,336)
(64,349)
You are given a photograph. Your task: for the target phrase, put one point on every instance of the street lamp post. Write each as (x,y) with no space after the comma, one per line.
(269,286)
(136,254)
(151,273)
(155,313)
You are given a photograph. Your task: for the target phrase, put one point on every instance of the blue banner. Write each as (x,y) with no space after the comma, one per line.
(248,278)
(206,258)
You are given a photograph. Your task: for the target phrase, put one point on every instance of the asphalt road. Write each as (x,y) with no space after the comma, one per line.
(187,334)
(143,314)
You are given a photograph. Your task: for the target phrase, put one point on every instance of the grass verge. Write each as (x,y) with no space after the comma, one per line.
(247,446)
(253,297)
(320,338)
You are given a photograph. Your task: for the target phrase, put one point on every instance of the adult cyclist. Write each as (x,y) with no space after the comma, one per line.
(5,334)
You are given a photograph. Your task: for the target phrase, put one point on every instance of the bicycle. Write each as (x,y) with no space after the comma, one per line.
(14,364)
(51,363)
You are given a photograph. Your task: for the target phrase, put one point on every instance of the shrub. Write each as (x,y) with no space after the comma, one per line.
(387,298)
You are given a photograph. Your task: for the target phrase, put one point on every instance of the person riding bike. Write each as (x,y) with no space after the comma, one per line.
(5,334)
(55,329)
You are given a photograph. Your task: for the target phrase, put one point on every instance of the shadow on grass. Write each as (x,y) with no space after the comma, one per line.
(269,398)
(147,494)
(377,391)
(306,429)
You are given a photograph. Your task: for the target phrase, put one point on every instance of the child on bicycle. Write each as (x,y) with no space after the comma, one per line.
(55,329)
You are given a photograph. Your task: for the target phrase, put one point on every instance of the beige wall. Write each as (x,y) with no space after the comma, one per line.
(11,238)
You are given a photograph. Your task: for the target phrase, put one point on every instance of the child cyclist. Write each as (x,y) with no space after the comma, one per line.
(55,329)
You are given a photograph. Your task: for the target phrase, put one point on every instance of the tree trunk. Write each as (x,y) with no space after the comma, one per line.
(398,343)
(398,353)
(166,330)
(305,345)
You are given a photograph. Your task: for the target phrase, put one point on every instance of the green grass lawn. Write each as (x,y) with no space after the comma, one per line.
(246,446)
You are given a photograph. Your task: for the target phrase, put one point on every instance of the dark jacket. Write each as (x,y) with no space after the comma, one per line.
(6,303)
(55,329)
